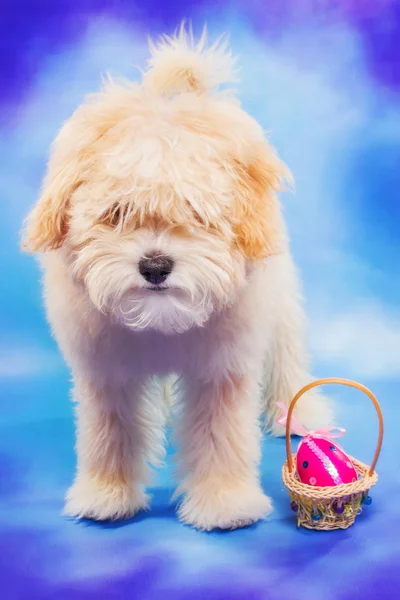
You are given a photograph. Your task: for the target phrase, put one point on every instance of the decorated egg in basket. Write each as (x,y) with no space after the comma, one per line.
(321,462)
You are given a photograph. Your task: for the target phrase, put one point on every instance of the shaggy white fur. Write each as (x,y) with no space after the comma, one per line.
(166,253)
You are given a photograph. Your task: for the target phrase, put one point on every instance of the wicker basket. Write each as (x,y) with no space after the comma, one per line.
(332,507)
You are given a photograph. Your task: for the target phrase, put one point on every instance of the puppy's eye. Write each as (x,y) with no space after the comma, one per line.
(114,216)
(198,218)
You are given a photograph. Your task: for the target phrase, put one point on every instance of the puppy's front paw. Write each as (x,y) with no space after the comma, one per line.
(208,507)
(92,500)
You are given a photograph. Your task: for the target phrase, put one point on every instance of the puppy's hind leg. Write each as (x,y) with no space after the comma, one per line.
(287,360)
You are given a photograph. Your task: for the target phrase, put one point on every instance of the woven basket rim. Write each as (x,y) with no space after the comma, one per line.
(334,491)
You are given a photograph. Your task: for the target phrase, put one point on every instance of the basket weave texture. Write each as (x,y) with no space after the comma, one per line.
(330,507)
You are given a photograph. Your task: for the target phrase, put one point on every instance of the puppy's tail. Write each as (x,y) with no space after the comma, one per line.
(169,394)
(163,392)
(180,64)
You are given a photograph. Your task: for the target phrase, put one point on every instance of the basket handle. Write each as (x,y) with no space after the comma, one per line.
(339,381)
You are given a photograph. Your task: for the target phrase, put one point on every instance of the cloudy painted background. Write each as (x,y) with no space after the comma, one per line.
(323,78)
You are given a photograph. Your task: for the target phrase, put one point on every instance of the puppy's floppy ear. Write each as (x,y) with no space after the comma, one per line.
(47,224)
(257,219)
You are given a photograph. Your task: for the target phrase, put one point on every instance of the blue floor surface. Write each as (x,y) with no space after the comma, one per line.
(46,556)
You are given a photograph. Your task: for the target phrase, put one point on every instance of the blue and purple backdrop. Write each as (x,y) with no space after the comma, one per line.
(323,78)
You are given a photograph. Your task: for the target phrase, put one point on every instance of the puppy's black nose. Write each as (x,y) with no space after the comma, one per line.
(156,269)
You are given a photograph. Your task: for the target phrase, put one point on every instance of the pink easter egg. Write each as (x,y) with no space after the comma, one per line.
(321,462)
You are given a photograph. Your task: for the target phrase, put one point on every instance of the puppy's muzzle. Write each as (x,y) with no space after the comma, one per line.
(156,269)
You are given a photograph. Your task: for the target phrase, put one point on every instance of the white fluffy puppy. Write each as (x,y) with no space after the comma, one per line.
(165,252)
